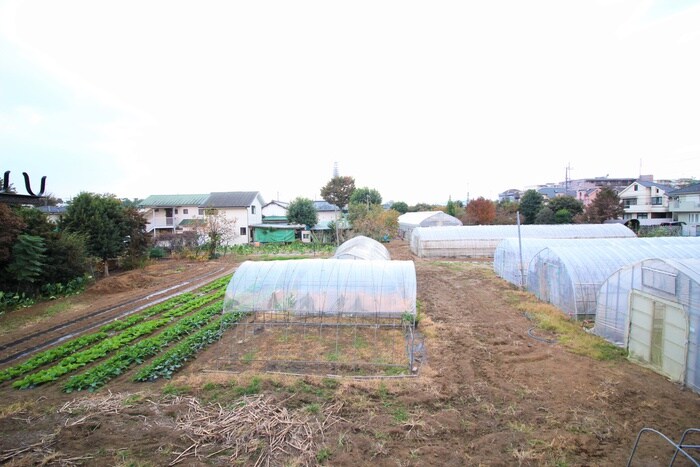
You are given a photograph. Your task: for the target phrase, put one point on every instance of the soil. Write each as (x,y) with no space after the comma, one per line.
(487,393)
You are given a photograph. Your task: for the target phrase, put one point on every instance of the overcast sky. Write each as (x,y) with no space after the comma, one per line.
(421,100)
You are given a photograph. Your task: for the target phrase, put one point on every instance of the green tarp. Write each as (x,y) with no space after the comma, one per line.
(264,235)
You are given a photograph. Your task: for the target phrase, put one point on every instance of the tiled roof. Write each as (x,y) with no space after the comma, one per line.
(52,209)
(666,188)
(230,199)
(156,201)
(688,190)
(324,206)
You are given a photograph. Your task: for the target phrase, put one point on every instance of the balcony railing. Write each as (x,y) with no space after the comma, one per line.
(161,223)
(684,206)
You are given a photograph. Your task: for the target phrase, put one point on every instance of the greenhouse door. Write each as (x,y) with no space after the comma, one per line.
(658,334)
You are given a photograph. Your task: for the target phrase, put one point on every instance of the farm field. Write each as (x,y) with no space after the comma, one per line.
(491,391)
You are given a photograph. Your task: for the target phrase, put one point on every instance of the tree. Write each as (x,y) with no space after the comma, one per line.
(103,222)
(506,212)
(337,192)
(217,229)
(302,211)
(400,207)
(27,259)
(480,211)
(420,207)
(66,258)
(451,207)
(544,216)
(571,204)
(606,205)
(366,196)
(12,225)
(563,216)
(530,205)
(135,224)
(373,221)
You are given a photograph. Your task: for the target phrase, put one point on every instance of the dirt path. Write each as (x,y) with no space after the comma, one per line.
(489,394)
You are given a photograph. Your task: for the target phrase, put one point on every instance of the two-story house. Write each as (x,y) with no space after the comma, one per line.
(685,207)
(180,213)
(646,199)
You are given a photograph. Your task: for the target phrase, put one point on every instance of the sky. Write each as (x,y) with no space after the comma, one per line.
(422,101)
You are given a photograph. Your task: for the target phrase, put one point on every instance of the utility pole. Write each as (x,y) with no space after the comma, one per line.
(566,179)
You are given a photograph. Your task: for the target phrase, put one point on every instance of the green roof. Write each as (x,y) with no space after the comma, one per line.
(188,222)
(168,201)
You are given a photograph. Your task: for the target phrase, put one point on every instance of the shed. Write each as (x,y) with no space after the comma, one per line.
(570,277)
(480,241)
(652,308)
(411,220)
(276,233)
(362,247)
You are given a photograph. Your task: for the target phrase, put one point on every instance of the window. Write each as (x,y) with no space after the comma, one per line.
(630,202)
(185,211)
(156,210)
(175,210)
(642,215)
(636,187)
(252,209)
(244,231)
(656,201)
(201,211)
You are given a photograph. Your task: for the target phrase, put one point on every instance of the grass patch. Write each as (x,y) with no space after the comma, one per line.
(570,332)
(171,389)
(400,414)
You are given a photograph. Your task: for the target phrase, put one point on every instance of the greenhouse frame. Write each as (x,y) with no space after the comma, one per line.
(652,308)
(412,220)
(570,277)
(480,241)
(324,315)
(363,248)
(507,262)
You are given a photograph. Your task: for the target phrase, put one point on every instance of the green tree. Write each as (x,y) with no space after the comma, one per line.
(27,260)
(544,216)
(66,258)
(563,216)
(365,196)
(135,224)
(337,192)
(103,221)
(302,211)
(530,205)
(571,204)
(451,208)
(421,207)
(606,205)
(400,207)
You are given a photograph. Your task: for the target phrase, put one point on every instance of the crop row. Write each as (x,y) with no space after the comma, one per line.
(121,324)
(97,376)
(169,362)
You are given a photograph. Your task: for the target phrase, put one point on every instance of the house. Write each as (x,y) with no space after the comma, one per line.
(327,212)
(685,208)
(275,212)
(646,199)
(180,213)
(53,213)
(551,192)
(511,195)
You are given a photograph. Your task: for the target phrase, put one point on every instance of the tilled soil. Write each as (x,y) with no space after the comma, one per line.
(489,393)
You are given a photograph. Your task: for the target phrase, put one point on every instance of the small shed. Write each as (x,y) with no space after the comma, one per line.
(652,308)
(362,247)
(411,220)
(276,233)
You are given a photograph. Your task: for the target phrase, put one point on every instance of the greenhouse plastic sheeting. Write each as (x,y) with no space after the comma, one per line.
(362,247)
(411,220)
(506,258)
(324,286)
(481,240)
(666,284)
(570,277)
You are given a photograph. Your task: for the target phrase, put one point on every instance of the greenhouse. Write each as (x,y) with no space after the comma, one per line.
(570,277)
(480,241)
(411,220)
(508,266)
(324,314)
(652,308)
(362,247)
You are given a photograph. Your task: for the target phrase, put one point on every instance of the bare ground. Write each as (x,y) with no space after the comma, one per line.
(488,394)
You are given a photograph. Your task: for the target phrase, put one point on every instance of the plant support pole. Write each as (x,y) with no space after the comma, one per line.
(520,251)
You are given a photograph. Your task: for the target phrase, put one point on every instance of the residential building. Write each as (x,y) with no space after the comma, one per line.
(646,199)
(275,212)
(53,213)
(512,195)
(685,208)
(179,213)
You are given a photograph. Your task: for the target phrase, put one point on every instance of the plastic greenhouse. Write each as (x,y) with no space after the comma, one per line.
(480,241)
(411,220)
(570,277)
(652,307)
(324,315)
(506,258)
(362,247)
